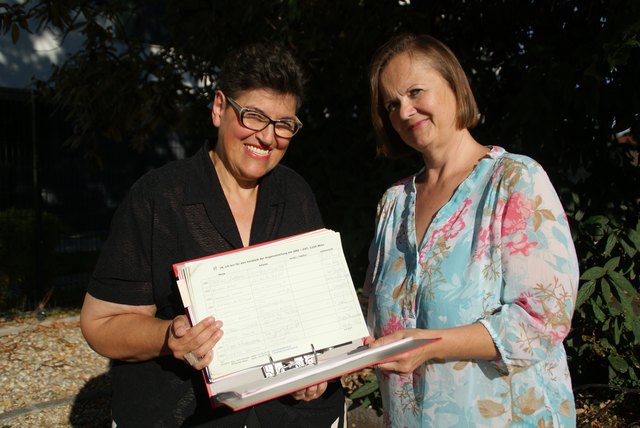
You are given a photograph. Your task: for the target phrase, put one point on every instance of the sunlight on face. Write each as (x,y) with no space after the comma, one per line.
(248,155)
(420,104)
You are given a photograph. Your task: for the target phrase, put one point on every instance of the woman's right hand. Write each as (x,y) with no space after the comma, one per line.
(406,362)
(466,342)
(194,345)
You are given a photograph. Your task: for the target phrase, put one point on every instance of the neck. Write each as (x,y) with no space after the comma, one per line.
(231,185)
(458,156)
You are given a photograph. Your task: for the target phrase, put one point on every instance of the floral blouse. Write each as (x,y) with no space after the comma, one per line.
(500,253)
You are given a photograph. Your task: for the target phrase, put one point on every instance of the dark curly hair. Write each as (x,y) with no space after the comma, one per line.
(262,66)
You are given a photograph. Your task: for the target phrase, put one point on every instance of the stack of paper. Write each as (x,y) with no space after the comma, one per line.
(288,298)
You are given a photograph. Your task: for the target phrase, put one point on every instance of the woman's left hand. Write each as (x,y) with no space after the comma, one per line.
(310,393)
(194,345)
(406,362)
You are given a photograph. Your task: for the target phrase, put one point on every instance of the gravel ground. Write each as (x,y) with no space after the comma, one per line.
(49,377)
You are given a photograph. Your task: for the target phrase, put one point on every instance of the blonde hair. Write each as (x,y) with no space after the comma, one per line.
(443,60)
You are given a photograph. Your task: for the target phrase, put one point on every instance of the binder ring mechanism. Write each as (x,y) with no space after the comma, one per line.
(274,368)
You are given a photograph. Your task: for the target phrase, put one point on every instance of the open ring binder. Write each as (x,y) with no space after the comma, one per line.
(274,368)
(291,317)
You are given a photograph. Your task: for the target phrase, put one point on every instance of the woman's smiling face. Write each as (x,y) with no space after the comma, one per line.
(421,106)
(249,155)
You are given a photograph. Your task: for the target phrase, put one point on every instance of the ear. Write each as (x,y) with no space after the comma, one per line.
(217,109)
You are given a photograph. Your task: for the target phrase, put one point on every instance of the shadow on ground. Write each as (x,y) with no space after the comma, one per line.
(92,406)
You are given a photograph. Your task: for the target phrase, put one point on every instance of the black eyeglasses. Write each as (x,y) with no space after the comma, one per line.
(257,121)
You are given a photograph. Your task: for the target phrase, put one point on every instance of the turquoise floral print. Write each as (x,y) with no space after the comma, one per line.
(500,253)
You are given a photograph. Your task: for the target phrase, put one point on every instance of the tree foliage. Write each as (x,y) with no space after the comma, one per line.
(554,80)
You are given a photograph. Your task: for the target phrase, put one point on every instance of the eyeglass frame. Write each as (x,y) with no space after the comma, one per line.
(242,110)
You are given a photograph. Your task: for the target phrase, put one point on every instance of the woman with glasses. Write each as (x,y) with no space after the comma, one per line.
(231,194)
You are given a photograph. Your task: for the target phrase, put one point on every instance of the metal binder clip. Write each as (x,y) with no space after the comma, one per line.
(310,359)
(270,370)
(274,368)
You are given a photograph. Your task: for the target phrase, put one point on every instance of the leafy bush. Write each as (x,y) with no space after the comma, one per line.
(605,340)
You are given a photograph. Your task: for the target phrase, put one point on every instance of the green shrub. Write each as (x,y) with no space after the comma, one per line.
(604,342)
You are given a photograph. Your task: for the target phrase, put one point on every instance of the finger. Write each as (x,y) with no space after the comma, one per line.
(206,349)
(386,367)
(191,359)
(196,361)
(208,323)
(198,340)
(201,337)
(206,341)
(393,337)
(180,326)
(308,396)
(207,358)
(204,361)
(379,342)
(303,394)
(203,344)
(401,367)
(322,387)
(312,392)
(298,395)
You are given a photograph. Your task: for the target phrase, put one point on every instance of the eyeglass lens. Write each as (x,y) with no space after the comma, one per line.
(257,121)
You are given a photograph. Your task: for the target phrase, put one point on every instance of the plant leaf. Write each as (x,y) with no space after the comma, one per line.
(618,363)
(628,295)
(598,219)
(628,249)
(612,264)
(600,316)
(611,243)
(634,237)
(593,273)
(585,292)
(635,327)
(364,390)
(612,303)
(621,281)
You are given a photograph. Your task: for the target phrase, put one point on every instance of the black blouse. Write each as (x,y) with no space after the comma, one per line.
(176,213)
